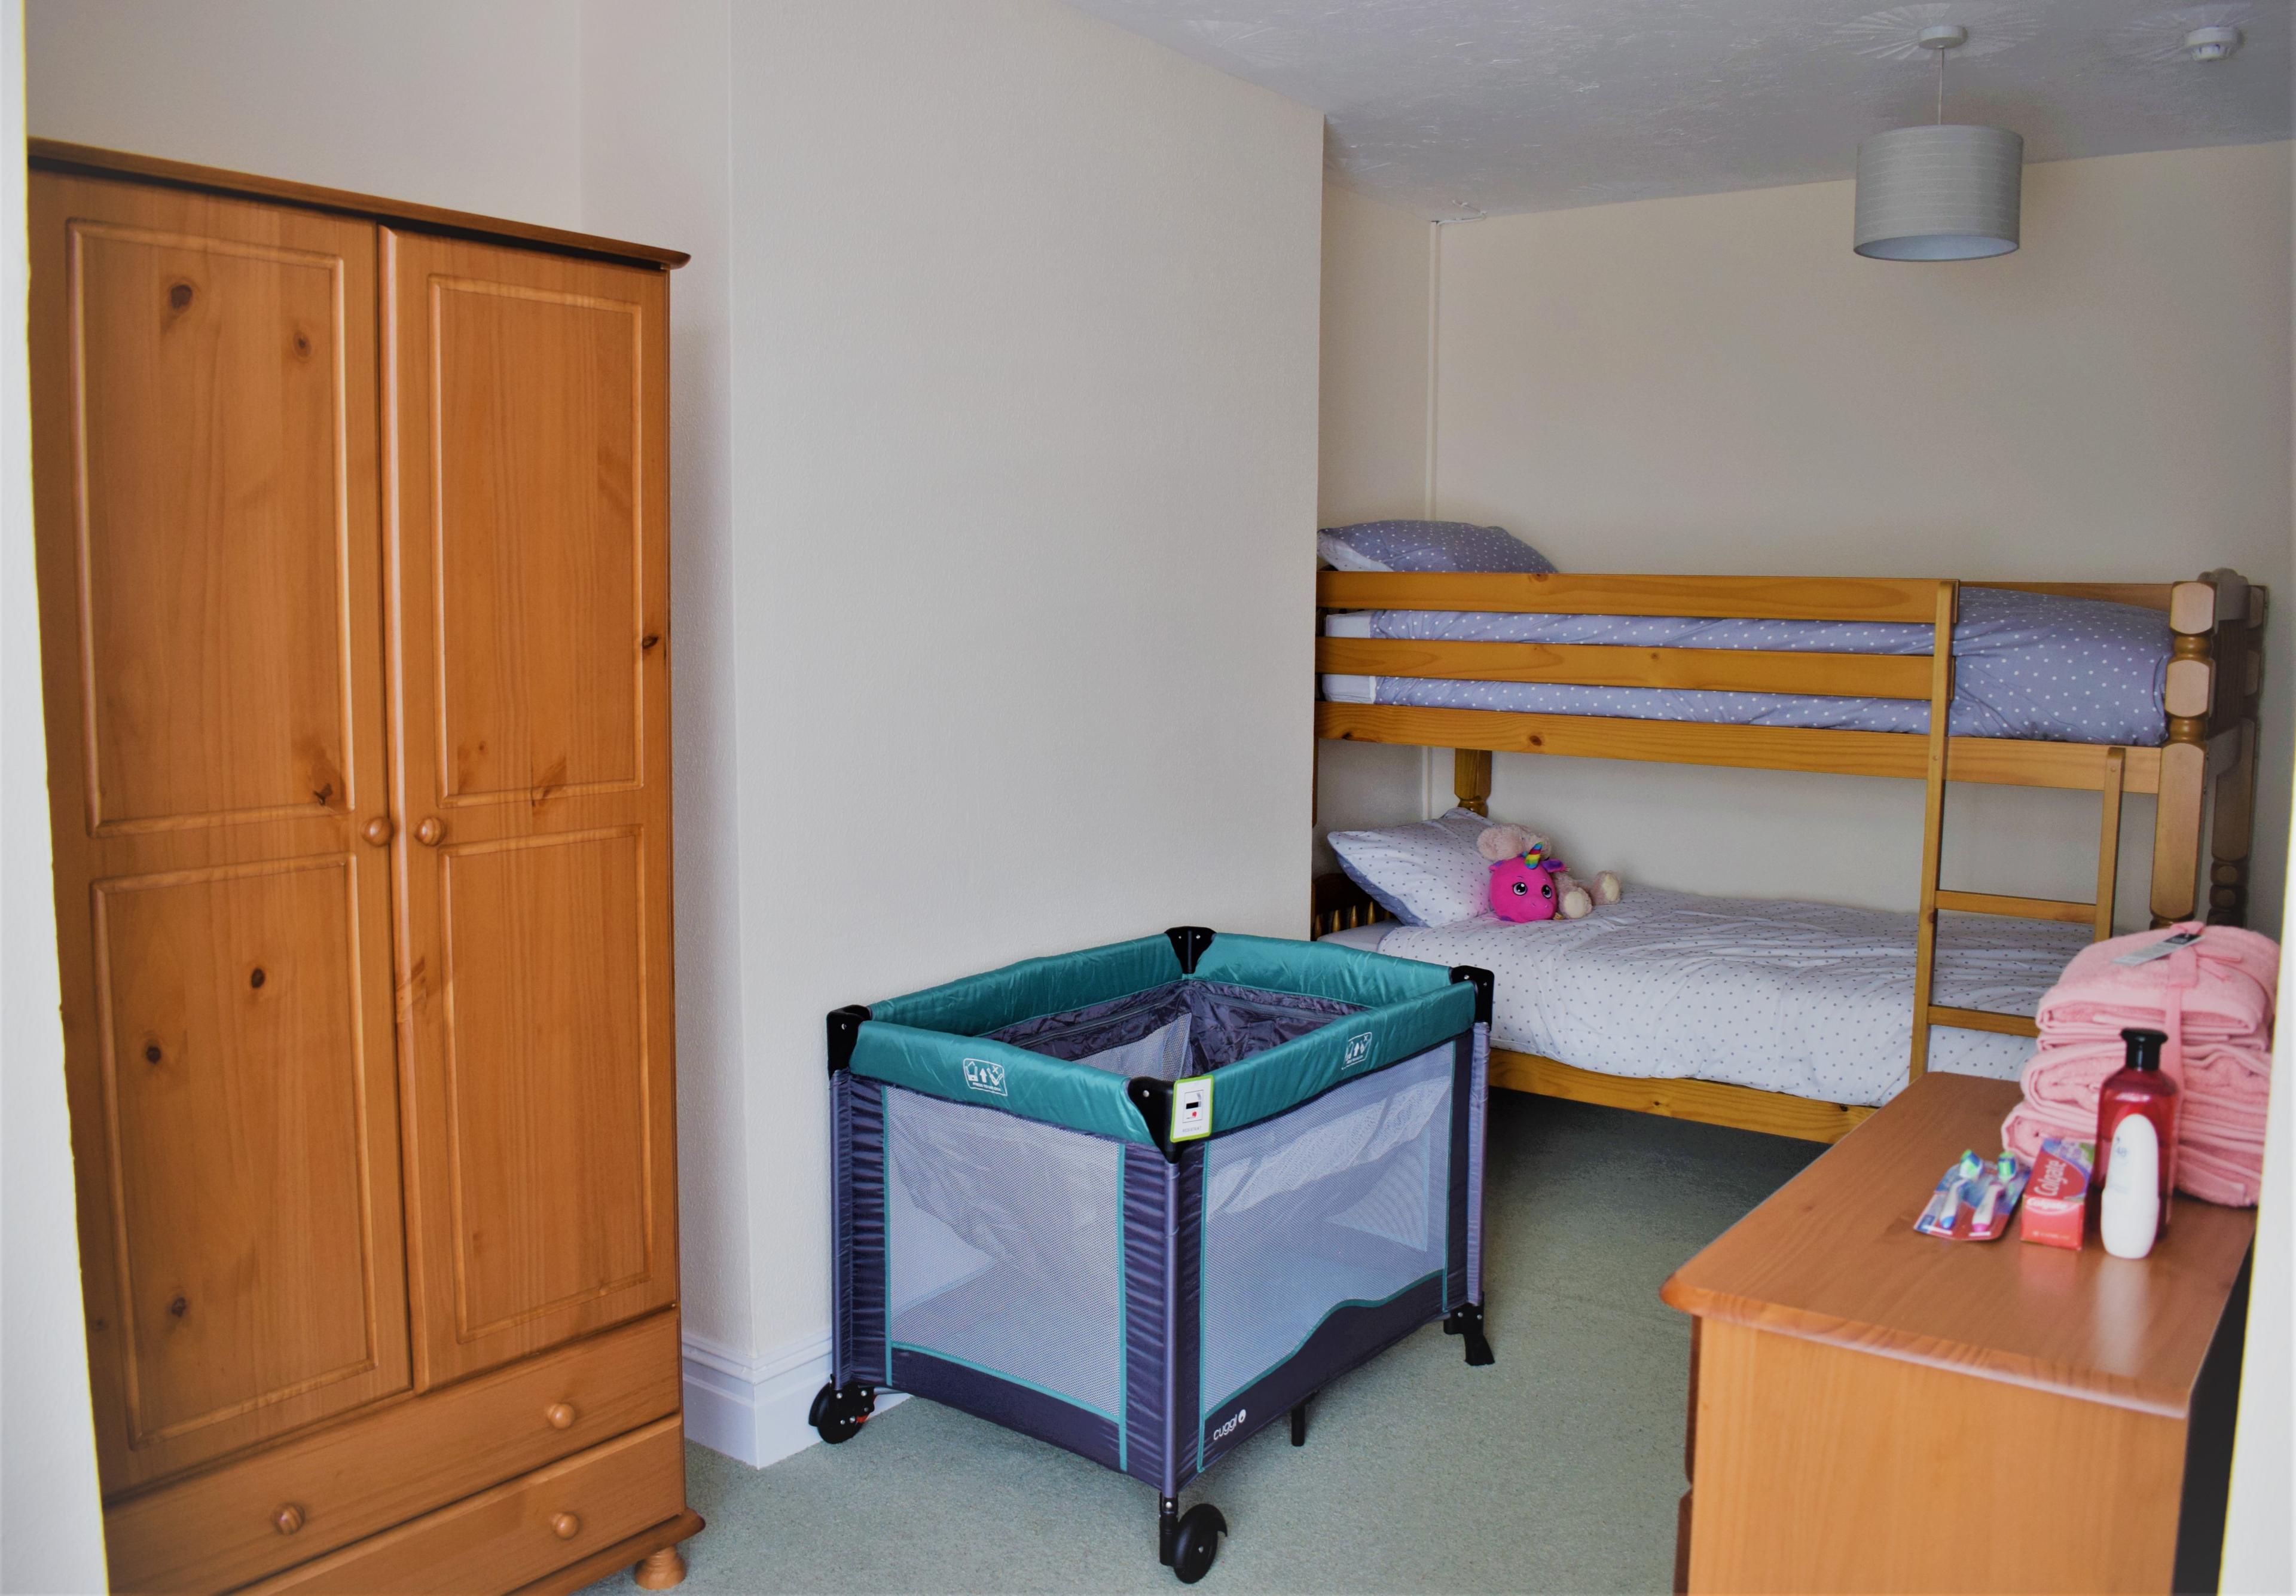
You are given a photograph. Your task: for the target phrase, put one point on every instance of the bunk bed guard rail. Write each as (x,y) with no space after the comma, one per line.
(2211,681)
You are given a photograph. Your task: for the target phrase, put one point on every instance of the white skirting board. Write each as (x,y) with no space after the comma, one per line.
(753,1410)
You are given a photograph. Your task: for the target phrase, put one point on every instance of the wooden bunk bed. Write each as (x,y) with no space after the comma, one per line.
(2202,777)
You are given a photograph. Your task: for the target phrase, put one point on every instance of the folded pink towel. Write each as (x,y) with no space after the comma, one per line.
(2205,1170)
(2214,998)
(2219,1080)
(2226,978)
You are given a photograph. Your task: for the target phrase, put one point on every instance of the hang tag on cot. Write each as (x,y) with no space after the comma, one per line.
(2160,949)
(1191,1108)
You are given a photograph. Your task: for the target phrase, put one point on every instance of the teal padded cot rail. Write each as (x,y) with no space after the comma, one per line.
(932,1042)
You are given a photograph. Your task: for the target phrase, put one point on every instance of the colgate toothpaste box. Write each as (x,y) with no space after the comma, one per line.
(2057,1199)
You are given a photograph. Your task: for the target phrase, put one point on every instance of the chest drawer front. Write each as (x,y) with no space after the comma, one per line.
(516,1533)
(367,1475)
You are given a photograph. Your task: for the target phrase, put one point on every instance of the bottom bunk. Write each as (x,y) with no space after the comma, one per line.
(1788,1018)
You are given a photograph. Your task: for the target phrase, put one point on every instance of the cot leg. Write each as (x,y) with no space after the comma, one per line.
(1466,1320)
(1168,1528)
(1299,1424)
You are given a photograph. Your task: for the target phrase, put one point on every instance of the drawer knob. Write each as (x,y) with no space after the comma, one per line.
(560,1414)
(430,832)
(377,830)
(566,1526)
(288,1519)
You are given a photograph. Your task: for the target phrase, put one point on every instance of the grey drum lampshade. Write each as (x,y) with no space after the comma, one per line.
(1939,193)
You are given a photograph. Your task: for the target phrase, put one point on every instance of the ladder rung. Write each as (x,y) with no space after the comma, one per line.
(2018,908)
(1983,1019)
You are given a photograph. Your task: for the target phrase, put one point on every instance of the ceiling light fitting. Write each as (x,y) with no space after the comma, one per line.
(1939,192)
(2212,44)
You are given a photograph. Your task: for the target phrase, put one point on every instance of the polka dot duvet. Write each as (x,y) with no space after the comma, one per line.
(1811,999)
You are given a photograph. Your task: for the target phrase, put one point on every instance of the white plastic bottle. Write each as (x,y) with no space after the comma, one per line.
(2132,1190)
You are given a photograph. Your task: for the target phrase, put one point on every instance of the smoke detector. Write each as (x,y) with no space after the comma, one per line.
(2212,44)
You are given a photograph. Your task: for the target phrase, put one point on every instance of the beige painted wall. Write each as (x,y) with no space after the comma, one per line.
(1718,385)
(1024,398)
(1373,463)
(471,106)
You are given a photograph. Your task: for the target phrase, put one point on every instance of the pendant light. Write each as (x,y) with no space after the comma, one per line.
(1939,192)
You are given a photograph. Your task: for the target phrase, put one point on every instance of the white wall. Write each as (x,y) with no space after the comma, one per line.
(472,106)
(1718,385)
(657,108)
(1024,396)
(50,1530)
(2260,1549)
(1373,430)
(994,468)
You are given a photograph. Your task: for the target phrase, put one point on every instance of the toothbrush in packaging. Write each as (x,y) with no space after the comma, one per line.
(1990,1193)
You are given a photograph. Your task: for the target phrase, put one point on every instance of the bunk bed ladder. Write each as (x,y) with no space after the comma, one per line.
(2095,913)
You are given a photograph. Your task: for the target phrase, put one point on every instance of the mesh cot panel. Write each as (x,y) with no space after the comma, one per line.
(1343,1202)
(1003,1242)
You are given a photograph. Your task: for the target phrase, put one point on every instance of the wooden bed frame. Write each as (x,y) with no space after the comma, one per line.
(2203,778)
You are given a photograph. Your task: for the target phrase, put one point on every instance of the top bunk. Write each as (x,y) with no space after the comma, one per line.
(1838,674)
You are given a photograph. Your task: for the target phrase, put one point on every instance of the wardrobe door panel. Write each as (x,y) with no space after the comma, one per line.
(528,524)
(538,543)
(207,496)
(213,988)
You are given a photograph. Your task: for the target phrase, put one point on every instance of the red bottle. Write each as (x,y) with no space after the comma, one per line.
(2138,1087)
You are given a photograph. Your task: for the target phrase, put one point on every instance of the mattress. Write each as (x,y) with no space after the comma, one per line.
(2033,666)
(1812,999)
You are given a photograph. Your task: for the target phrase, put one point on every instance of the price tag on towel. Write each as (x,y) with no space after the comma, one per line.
(2160,949)
(1191,1108)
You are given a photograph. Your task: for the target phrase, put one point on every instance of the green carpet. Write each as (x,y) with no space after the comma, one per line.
(1557,1468)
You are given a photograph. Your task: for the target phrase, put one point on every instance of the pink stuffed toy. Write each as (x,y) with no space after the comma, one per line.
(1529,882)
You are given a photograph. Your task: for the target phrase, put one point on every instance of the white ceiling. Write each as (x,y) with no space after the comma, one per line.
(1450,107)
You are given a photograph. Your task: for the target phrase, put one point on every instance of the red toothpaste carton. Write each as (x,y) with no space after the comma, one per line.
(2057,1199)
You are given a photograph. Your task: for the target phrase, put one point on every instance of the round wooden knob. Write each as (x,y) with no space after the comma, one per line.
(377,830)
(288,1519)
(566,1526)
(560,1414)
(430,832)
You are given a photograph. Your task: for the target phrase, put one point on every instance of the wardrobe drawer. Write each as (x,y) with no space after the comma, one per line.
(229,1525)
(504,1538)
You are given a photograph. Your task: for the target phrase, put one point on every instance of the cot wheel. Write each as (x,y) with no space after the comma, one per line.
(838,1412)
(1197,1541)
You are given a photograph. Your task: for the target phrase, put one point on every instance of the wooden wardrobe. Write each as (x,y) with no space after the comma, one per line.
(353,541)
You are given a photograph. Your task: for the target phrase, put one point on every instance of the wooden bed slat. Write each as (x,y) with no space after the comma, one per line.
(1983,1019)
(1991,761)
(1707,598)
(1708,1102)
(1595,665)
(2061,910)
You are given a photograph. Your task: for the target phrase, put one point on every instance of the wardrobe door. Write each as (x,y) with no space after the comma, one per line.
(205,480)
(528,524)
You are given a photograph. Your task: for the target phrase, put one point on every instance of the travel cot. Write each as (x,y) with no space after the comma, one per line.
(1141,1200)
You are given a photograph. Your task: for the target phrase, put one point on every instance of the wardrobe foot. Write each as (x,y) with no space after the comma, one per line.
(662,1570)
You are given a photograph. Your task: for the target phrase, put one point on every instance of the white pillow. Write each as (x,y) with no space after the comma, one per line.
(1427,873)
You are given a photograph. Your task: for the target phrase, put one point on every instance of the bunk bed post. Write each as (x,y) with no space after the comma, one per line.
(1926,927)
(2231,828)
(2232,729)
(2108,841)
(2184,758)
(1471,779)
